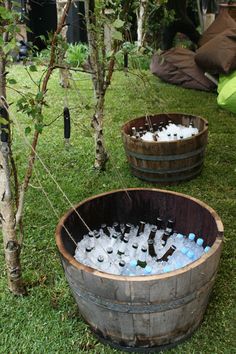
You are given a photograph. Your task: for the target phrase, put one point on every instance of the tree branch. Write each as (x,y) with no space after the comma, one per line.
(49,71)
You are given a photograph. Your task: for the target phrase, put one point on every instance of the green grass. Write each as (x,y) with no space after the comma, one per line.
(47,321)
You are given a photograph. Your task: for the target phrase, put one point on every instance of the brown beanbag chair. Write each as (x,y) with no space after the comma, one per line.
(222,22)
(218,56)
(177,66)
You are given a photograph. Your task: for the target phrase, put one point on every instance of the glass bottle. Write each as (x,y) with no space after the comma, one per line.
(159,223)
(151,249)
(170,226)
(141,228)
(168,253)
(152,233)
(142,260)
(165,237)
(116,226)
(105,230)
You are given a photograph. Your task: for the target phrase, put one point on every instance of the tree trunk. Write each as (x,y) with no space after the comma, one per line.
(7,213)
(11,245)
(141,17)
(97,64)
(64,73)
(101,156)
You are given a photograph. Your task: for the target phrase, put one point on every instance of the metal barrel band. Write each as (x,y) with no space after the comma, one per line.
(166,157)
(134,308)
(163,171)
(167,179)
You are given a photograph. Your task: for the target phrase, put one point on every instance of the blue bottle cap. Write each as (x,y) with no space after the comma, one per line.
(180,236)
(147,270)
(133,263)
(184,250)
(207,248)
(190,254)
(191,236)
(200,241)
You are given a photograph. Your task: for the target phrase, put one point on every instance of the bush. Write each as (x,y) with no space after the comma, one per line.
(138,58)
(76,54)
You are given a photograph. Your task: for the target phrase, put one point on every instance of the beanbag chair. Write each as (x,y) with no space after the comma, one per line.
(218,56)
(227,92)
(177,66)
(222,22)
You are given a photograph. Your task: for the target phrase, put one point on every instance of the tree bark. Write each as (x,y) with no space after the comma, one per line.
(10,243)
(64,73)
(141,17)
(7,215)
(97,64)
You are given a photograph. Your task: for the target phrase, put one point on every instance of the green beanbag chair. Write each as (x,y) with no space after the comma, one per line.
(227,92)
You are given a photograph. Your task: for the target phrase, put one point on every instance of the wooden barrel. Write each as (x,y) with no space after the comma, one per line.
(142,313)
(166,162)
(230,8)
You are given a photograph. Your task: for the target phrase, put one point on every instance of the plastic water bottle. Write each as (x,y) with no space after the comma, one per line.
(122,246)
(133,250)
(199,250)
(191,236)
(207,249)
(178,241)
(101,263)
(91,240)
(130,268)
(180,258)
(191,255)
(121,266)
(147,270)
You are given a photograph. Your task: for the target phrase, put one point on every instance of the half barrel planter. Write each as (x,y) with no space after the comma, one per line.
(166,162)
(142,313)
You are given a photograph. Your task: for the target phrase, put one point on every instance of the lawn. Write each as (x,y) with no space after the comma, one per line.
(47,321)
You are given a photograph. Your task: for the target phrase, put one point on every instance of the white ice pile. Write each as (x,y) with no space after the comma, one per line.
(138,250)
(170,132)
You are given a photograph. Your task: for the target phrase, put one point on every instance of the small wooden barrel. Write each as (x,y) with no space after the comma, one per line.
(142,313)
(166,162)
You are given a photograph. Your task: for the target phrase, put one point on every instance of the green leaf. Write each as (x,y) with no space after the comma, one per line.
(117,35)
(3,121)
(27,130)
(39,127)
(12,81)
(39,96)
(33,68)
(118,23)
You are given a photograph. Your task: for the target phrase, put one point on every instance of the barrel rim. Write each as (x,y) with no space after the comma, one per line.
(203,131)
(80,266)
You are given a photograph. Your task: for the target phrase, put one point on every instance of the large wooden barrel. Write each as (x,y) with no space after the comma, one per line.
(166,162)
(142,313)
